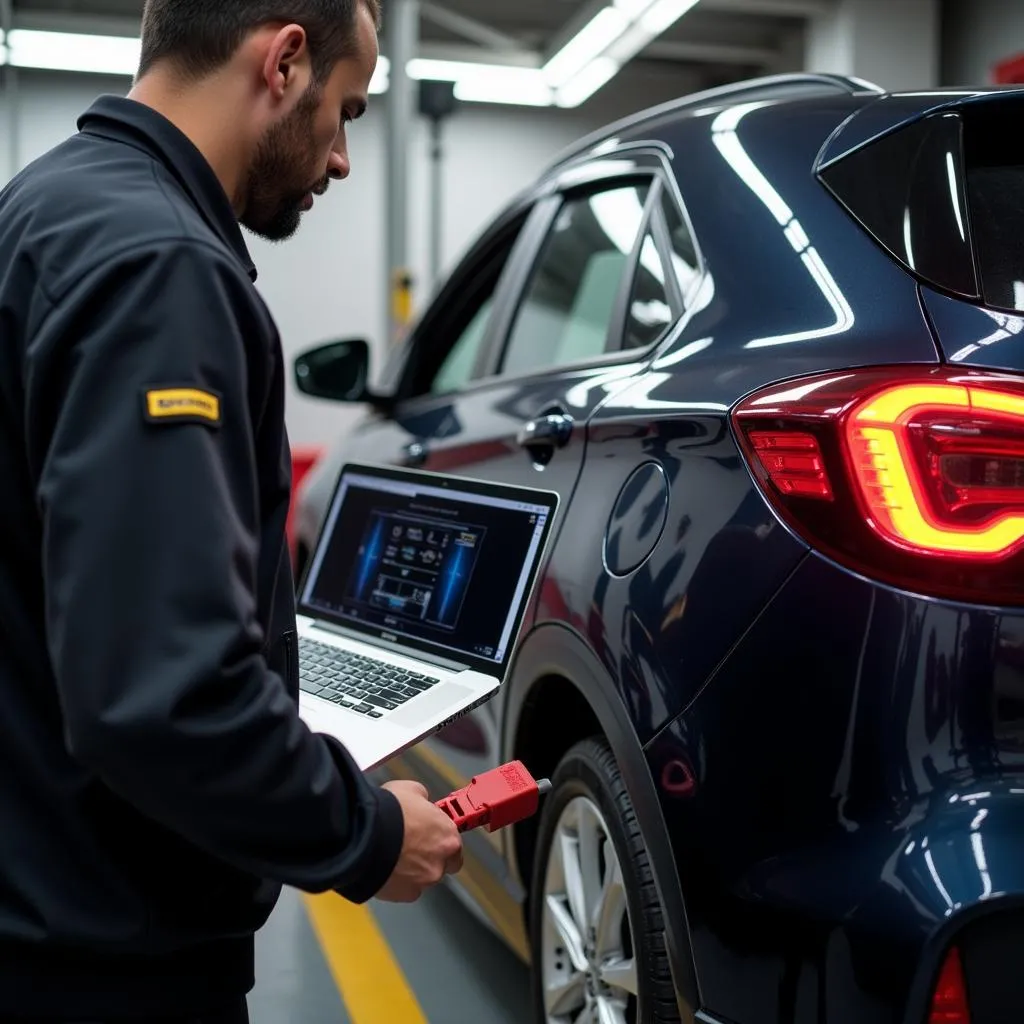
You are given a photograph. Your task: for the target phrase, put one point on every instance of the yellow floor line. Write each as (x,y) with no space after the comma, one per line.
(371,983)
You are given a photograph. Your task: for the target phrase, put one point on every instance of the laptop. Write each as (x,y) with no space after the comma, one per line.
(412,603)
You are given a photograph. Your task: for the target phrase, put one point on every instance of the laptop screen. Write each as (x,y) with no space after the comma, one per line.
(443,564)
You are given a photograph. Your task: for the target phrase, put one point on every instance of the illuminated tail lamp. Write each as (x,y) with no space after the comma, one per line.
(911,476)
(949,1000)
(794,463)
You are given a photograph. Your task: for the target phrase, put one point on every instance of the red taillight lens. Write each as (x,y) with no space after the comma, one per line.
(949,1000)
(794,463)
(914,476)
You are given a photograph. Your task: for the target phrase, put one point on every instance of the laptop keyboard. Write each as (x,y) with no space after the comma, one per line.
(364,685)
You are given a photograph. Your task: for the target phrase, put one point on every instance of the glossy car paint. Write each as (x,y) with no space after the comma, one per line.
(973,335)
(879,798)
(827,772)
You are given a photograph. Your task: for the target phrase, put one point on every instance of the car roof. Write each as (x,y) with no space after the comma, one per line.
(783,92)
(773,87)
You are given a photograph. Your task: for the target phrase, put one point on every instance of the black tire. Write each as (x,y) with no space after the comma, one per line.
(589,770)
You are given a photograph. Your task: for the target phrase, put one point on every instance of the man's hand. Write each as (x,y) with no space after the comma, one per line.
(432,846)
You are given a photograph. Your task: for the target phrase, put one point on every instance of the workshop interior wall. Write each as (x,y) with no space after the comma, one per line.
(977,35)
(329,280)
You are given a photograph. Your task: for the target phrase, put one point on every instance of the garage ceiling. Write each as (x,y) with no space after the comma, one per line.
(715,42)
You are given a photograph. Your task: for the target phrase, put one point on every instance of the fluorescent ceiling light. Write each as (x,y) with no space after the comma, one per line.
(72,51)
(586,46)
(614,36)
(468,71)
(487,83)
(632,9)
(655,20)
(595,75)
(664,14)
(479,90)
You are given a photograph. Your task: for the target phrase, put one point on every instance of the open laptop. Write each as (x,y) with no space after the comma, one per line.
(410,609)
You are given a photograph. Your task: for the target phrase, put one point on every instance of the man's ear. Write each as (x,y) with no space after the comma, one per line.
(286,66)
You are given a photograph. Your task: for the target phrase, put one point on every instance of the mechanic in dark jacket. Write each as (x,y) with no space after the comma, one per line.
(156,783)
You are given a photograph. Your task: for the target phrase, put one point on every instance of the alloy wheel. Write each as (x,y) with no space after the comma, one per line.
(588,967)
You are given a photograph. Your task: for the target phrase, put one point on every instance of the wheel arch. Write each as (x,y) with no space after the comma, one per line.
(554,655)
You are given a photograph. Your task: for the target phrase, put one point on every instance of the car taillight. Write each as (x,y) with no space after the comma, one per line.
(949,999)
(913,475)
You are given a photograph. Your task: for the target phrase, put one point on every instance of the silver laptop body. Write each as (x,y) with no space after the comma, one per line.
(414,597)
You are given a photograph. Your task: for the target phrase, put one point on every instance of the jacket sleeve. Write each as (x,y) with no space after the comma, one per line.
(149,498)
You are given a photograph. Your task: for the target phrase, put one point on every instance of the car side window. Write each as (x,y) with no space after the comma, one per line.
(649,313)
(655,300)
(444,354)
(684,250)
(569,302)
(457,369)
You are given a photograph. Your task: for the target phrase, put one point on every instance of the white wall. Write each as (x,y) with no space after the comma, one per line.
(893,43)
(976,34)
(330,279)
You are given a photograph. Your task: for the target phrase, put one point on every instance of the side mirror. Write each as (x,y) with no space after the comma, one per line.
(337,371)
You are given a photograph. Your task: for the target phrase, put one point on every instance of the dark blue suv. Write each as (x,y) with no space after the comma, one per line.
(768,345)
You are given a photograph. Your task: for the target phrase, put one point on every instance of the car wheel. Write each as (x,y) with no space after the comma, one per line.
(598,944)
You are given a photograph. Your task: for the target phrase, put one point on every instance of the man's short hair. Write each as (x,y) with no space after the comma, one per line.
(201,36)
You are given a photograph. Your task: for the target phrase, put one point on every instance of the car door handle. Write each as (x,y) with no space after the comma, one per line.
(546,432)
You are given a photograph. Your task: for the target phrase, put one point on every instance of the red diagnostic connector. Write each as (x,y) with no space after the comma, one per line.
(498,798)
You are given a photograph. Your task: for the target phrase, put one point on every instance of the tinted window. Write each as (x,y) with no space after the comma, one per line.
(457,369)
(684,251)
(650,308)
(444,352)
(568,305)
(994,161)
(906,190)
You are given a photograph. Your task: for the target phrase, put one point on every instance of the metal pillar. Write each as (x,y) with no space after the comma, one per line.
(403,41)
(436,201)
(9,90)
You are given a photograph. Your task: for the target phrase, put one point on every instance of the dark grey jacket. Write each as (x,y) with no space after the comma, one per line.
(156,783)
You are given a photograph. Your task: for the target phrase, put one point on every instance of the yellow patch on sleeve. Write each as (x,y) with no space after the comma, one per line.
(195,405)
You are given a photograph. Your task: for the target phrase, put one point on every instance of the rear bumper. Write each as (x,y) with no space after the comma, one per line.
(844,798)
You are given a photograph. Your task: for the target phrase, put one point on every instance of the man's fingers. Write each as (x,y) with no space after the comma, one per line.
(406,787)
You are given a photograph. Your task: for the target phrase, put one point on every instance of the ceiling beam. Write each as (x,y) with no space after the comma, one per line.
(469,28)
(771,8)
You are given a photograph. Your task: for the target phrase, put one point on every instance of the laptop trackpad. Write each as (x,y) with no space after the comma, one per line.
(430,704)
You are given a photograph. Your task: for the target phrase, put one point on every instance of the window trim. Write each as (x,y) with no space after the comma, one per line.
(620,312)
(663,238)
(654,225)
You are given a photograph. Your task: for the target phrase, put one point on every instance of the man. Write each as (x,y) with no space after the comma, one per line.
(156,783)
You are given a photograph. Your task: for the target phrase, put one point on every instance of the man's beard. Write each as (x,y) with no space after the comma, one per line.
(274,194)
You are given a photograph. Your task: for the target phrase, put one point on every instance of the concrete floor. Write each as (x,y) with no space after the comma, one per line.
(323,961)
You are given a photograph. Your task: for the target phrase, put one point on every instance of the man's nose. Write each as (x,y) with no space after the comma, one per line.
(338,166)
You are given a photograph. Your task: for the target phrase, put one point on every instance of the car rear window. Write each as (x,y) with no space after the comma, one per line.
(944,196)
(994,169)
